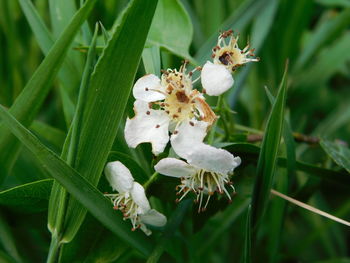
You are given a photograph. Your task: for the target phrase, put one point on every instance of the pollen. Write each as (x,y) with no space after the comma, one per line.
(229,54)
(205,183)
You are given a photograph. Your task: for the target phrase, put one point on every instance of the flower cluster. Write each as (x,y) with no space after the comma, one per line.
(170,109)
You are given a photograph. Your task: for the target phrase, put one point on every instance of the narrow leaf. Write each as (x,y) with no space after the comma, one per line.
(109,89)
(79,187)
(28,103)
(338,152)
(268,156)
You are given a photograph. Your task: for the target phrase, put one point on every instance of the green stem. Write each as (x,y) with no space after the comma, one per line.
(213,129)
(153,178)
(54,249)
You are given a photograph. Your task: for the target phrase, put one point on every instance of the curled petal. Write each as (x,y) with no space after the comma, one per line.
(174,167)
(139,197)
(216,79)
(119,177)
(148,89)
(147,126)
(154,218)
(213,159)
(206,112)
(187,136)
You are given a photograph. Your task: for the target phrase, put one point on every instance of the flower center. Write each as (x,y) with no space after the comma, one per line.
(204,182)
(179,103)
(128,207)
(229,54)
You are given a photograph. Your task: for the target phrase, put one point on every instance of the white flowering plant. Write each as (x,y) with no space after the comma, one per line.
(174,131)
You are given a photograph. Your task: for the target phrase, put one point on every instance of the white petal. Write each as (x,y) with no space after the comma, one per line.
(139,197)
(174,167)
(188,136)
(119,177)
(153,218)
(216,79)
(148,89)
(213,159)
(147,126)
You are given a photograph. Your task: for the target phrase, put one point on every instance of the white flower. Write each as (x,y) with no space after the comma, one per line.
(131,199)
(207,168)
(216,77)
(162,105)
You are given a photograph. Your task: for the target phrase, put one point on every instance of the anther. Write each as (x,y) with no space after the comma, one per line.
(148,112)
(157,126)
(146,89)
(191,123)
(179,110)
(175,132)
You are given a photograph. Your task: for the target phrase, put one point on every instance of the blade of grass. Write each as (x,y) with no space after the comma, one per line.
(59,197)
(268,156)
(110,86)
(98,205)
(28,103)
(248,241)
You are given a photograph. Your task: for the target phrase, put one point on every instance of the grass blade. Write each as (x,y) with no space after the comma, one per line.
(247,242)
(28,103)
(75,184)
(110,86)
(268,156)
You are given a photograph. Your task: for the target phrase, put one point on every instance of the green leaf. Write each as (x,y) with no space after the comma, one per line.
(31,197)
(93,243)
(59,197)
(338,152)
(171,28)
(251,152)
(109,89)
(28,103)
(98,205)
(53,136)
(247,242)
(151,60)
(268,156)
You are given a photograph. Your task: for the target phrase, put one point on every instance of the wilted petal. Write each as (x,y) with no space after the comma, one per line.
(187,136)
(174,167)
(119,176)
(147,126)
(154,218)
(139,197)
(213,159)
(148,89)
(216,79)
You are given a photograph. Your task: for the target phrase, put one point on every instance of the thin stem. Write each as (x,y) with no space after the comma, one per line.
(54,249)
(151,180)
(213,128)
(310,208)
